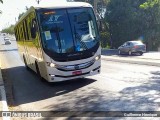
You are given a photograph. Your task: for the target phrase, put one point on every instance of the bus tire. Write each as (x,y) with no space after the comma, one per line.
(38,72)
(25,63)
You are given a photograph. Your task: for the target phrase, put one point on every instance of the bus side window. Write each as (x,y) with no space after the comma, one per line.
(33,28)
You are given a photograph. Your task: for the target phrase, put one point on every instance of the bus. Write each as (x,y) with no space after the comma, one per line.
(60,42)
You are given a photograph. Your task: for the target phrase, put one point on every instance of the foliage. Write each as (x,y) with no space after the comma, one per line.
(127,20)
(151,16)
(102,23)
(105,37)
(2,3)
(149,4)
(9,30)
(131,19)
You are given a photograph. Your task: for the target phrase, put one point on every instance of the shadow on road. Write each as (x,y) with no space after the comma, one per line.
(144,97)
(25,87)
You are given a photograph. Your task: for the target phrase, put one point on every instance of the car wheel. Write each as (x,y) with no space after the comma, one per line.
(129,53)
(140,53)
(119,52)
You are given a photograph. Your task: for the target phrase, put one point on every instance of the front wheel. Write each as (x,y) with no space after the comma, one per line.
(38,72)
(129,53)
(25,63)
(140,53)
(119,52)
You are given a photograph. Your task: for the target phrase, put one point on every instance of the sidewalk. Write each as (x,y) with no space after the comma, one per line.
(149,58)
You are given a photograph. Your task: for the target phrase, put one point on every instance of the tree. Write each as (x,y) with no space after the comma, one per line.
(2,3)
(9,30)
(134,19)
(151,17)
(125,20)
(149,4)
(100,8)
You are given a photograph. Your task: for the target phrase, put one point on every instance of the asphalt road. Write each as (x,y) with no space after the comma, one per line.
(119,87)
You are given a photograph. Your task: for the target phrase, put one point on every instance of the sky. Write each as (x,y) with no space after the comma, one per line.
(12,8)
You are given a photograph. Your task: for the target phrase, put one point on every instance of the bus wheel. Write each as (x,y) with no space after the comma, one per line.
(25,63)
(38,72)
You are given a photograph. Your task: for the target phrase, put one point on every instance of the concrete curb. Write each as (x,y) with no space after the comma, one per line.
(1,79)
(114,53)
(133,61)
(3,101)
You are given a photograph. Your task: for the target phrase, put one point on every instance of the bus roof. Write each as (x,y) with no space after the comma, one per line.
(51,4)
(62,5)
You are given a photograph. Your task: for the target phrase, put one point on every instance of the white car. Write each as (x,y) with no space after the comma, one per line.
(7,42)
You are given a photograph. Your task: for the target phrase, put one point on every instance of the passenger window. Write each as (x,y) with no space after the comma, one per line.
(33,28)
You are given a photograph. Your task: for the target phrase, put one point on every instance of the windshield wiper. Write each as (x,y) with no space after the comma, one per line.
(77,36)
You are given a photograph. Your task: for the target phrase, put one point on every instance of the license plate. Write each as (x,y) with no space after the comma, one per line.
(76,72)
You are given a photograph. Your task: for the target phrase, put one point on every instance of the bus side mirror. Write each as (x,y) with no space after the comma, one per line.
(33,28)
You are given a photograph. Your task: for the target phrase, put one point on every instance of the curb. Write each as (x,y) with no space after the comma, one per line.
(133,61)
(3,100)
(114,53)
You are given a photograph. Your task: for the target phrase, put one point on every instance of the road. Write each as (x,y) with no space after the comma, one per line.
(119,87)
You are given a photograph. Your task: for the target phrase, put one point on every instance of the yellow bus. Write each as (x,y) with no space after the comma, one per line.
(60,42)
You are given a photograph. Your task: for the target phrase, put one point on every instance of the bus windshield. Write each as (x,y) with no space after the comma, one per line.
(68,30)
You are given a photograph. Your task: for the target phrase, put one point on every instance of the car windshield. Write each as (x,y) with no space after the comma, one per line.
(68,30)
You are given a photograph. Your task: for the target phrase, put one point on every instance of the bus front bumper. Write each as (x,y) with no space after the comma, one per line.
(58,78)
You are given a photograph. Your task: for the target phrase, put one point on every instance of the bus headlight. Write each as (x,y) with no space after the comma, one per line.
(98,57)
(51,64)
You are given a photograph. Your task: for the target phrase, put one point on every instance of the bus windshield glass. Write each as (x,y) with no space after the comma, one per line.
(68,30)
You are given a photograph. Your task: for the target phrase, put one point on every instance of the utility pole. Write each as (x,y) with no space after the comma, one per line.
(38,1)
(95,6)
